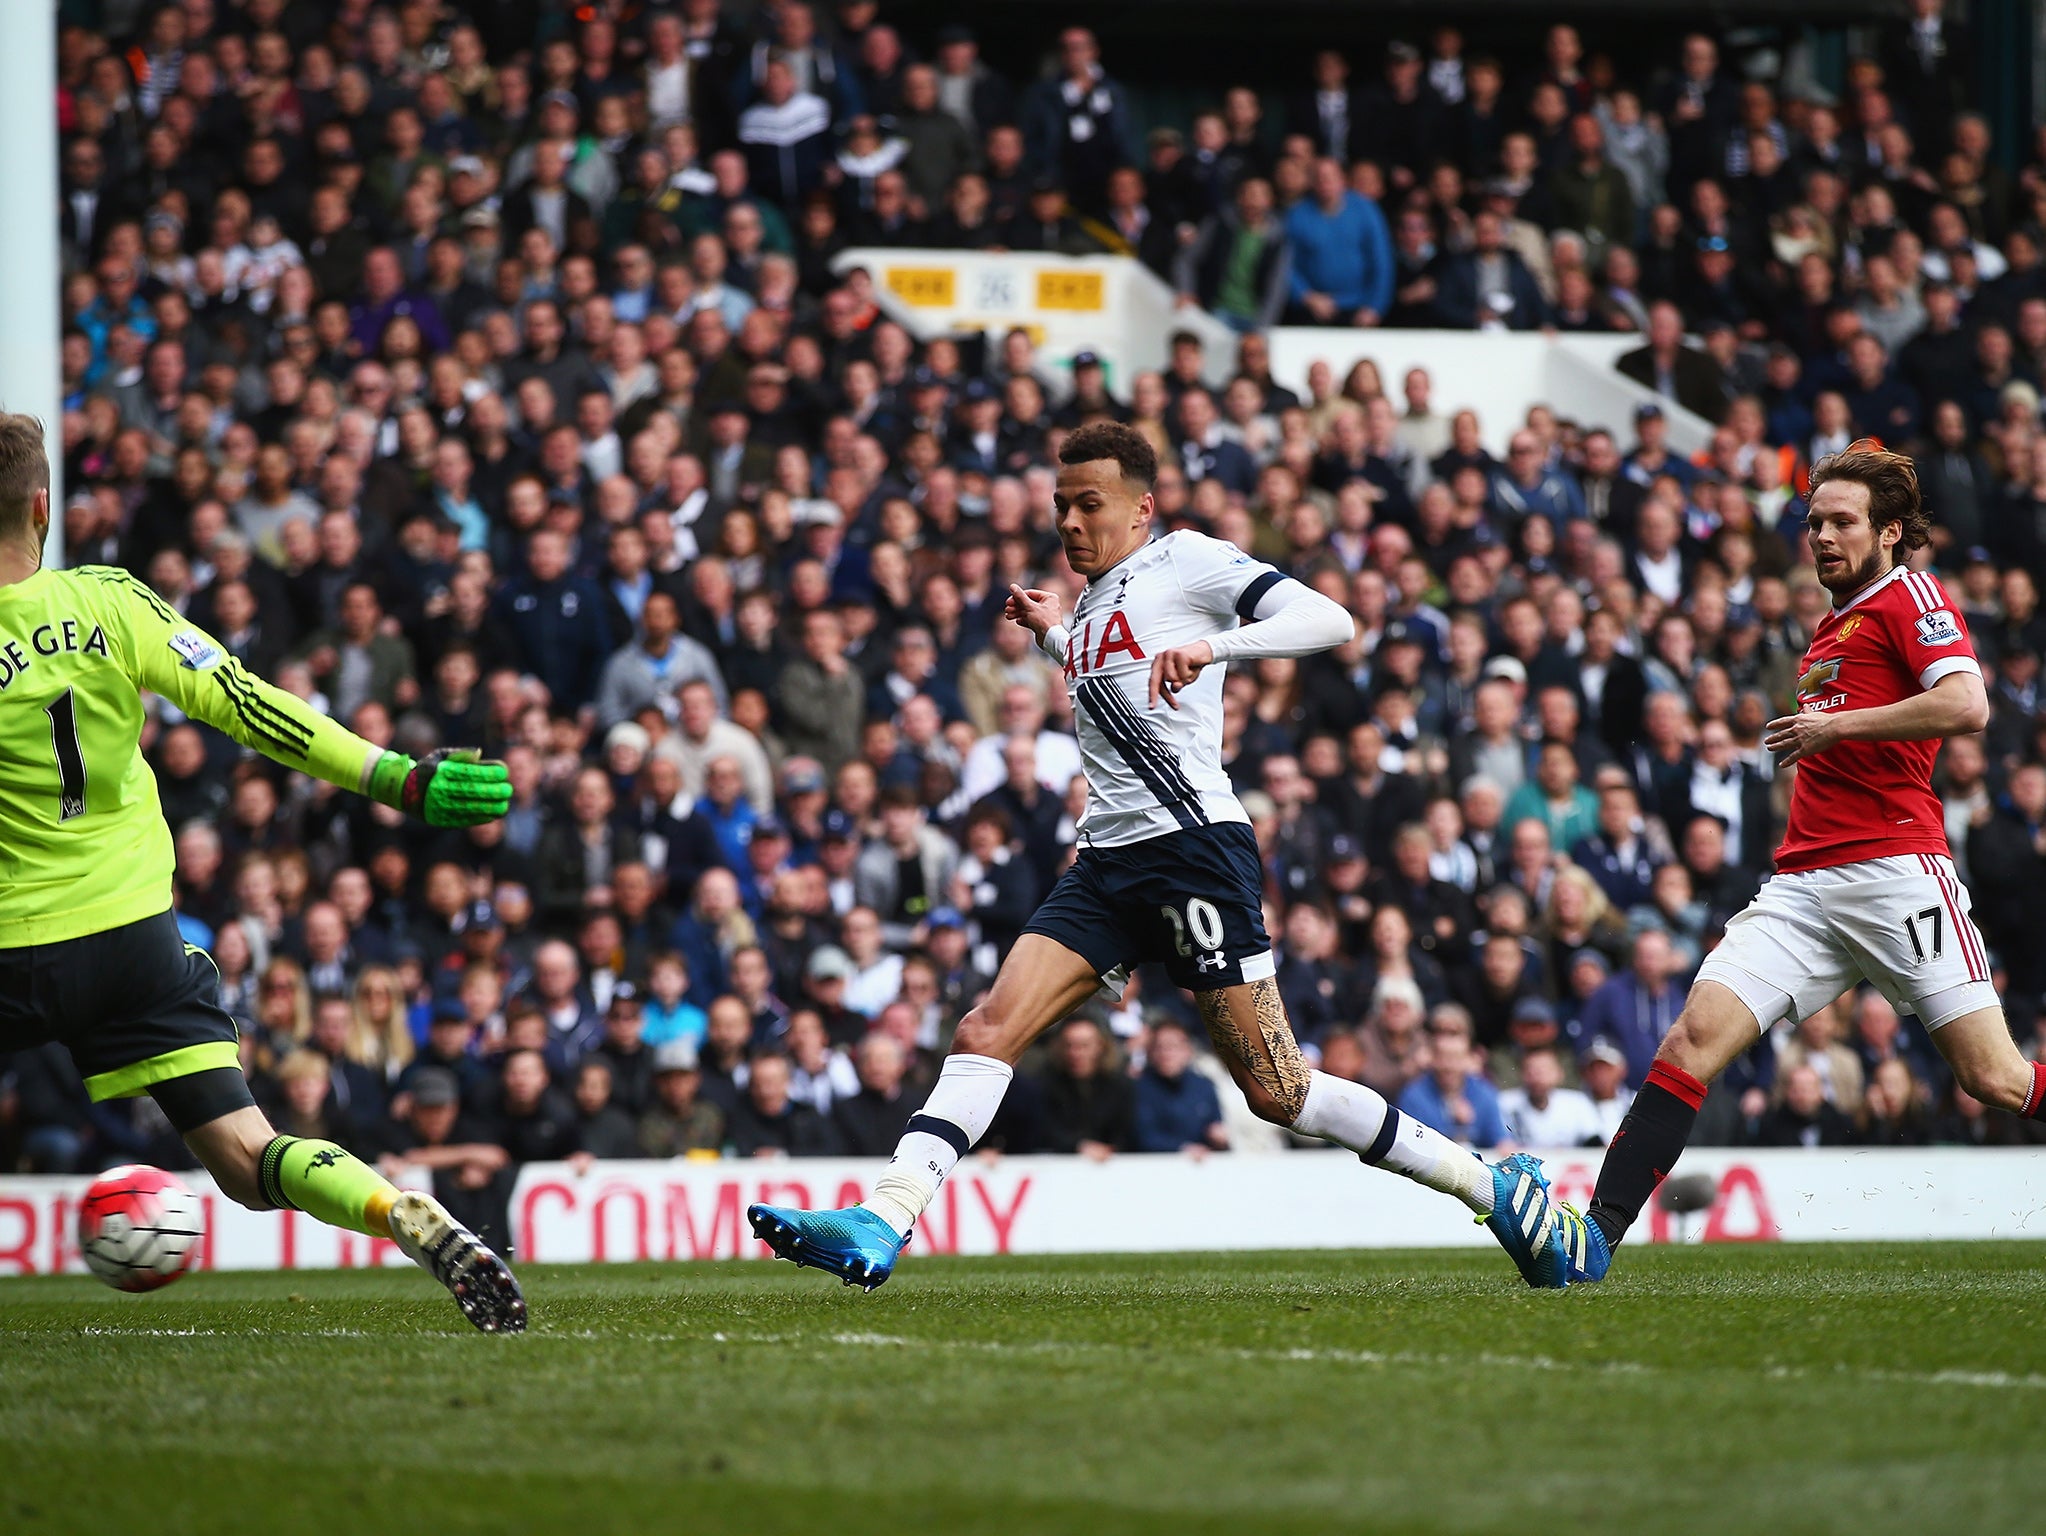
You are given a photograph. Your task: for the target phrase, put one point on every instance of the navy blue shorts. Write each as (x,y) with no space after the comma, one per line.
(1193,900)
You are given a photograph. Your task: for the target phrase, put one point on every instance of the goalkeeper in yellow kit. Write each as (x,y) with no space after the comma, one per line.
(90,952)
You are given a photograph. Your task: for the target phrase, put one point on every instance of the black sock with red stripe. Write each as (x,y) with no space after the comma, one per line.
(1647,1145)
(2035,1099)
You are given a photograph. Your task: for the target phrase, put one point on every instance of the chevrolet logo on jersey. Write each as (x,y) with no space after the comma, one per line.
(1817,689)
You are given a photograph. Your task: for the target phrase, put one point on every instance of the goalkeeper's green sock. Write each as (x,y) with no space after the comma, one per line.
(328,1184)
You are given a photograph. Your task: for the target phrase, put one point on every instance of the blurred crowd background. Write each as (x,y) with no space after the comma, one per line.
(481,373)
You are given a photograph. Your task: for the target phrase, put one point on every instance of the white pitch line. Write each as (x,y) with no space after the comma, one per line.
(1952,1377)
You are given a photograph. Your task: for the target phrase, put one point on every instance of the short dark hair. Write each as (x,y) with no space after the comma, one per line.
(1112,440)
(1892,483)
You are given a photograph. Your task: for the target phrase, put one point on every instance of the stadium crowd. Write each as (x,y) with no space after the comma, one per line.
(481,373)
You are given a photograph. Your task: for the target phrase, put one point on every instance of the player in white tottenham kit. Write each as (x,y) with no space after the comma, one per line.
(1167,870)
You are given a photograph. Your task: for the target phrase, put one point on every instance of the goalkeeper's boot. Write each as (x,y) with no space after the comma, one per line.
(1524,1219)
(853,1244)
(482,1284)
(1585,1242)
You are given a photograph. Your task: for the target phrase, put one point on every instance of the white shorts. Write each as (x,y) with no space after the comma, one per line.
(1900,923)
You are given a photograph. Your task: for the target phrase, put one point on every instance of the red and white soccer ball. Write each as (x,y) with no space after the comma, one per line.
(139,1228)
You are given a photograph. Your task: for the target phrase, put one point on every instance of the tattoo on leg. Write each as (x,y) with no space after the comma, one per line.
(1267,1051)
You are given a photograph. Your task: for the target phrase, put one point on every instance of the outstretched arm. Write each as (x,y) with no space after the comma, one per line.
(1290,619)
(169,656)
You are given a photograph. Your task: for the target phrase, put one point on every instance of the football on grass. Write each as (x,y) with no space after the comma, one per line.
(139,1228)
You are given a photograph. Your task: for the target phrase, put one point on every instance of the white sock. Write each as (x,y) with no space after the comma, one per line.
(961,1107)
(1353,1116)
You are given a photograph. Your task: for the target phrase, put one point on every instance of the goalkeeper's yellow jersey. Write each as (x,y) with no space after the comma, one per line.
(83,845)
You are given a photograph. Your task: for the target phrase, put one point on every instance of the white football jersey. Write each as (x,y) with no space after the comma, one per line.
(1153,771)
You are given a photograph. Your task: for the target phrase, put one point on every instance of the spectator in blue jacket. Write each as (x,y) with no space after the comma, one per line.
(558,621)
(1526,487)
(1176,1107)
(1452,1096)
(1637,1007)
(1342,254)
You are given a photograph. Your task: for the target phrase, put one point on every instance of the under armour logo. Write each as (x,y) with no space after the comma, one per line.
(1204,962)
(326,1158)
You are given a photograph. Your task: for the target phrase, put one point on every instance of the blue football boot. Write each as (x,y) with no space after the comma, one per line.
(1524,1219)
(853,1244)
(1583,1240)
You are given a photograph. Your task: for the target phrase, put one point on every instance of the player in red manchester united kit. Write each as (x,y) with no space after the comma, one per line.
(1864,888)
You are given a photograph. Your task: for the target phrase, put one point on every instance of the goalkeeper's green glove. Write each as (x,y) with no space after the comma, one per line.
(449,788)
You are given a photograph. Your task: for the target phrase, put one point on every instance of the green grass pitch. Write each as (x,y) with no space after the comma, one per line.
(1817,1389)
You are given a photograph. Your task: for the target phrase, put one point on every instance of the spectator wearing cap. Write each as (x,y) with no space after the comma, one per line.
(655,668)
(768,1121)
(1174,1108)
(838,852)
(1605,1083)
(472,1171)
(1453,1096)
(1239,266)
(678,1122)
(1672,369)
(1342,262)
(822,981)
(1542,1112)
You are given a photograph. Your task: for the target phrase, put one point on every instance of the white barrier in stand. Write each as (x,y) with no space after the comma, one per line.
(1113,306)
(1027,1205)
(1498,374)
(1120,309)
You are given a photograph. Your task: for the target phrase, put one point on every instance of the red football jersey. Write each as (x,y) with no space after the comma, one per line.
(1872,799)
